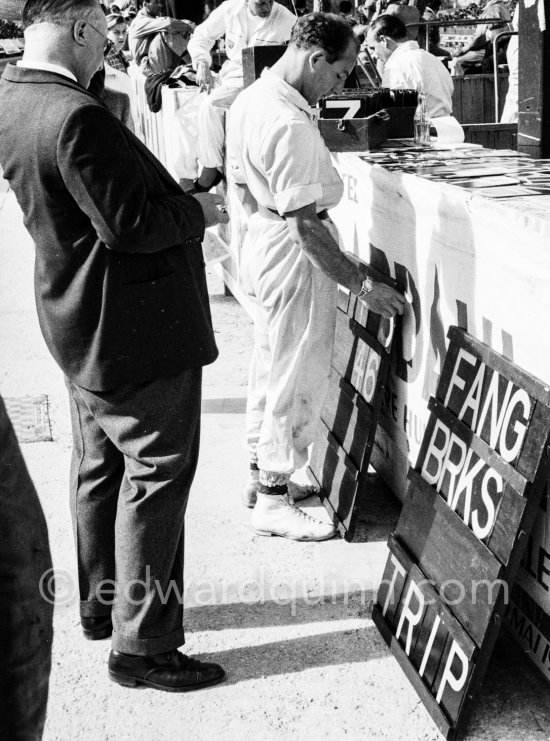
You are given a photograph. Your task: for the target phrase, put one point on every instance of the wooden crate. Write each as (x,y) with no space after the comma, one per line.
(474,98)
(492,135)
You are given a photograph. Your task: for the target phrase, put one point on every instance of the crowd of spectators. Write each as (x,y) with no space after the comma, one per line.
(156,38)
(10,30)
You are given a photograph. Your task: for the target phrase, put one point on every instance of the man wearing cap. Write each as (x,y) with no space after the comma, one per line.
(291,263)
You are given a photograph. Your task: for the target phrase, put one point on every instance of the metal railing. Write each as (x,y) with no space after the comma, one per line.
(427,24)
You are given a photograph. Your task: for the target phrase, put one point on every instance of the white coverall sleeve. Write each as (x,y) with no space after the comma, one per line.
(290,159)
(205,36)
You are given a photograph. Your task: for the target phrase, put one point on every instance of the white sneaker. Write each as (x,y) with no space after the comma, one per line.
(277,515)
(250,489)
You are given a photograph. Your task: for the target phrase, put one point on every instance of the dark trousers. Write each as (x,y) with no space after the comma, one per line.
(26,597)
(135,454)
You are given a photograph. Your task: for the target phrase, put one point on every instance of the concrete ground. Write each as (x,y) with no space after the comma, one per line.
(290,622)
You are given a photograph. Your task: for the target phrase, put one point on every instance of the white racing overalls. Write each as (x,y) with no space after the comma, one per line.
(276,149)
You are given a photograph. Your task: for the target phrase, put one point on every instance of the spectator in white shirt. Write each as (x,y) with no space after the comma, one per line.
(406,66)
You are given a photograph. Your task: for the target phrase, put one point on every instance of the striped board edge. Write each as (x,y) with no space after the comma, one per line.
(340,455)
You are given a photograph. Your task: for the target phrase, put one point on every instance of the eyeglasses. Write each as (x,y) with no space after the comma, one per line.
(107,43)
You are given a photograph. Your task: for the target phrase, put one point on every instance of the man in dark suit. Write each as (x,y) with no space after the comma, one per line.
(123,307)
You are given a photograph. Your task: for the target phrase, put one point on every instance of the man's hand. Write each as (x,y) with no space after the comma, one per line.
(213,208)
(384,300)
(204,77)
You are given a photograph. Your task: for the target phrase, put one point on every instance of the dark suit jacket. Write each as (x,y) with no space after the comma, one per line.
(119,274)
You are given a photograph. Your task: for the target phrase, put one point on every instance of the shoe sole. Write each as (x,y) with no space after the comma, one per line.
(97,635)
(268,534)
(134,682)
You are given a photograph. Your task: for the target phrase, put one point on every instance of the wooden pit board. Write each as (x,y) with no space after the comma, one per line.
(471,501)
(530,625)
(341,452)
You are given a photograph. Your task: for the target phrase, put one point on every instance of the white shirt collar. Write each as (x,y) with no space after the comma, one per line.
(47,67)
(402,49)
(287,90)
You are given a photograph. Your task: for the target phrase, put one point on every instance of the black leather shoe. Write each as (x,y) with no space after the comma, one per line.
(96,628)
(171,671)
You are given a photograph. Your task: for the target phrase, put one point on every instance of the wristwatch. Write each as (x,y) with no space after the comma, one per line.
(366,287)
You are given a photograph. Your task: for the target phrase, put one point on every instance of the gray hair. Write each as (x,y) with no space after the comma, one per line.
(57,12)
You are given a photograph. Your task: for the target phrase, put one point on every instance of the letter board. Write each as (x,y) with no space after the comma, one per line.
(471,501)
(342,448)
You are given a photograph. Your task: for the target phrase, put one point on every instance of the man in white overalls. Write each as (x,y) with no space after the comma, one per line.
(243,23)
(291,262)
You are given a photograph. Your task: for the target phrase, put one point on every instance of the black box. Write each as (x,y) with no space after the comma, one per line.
(354,134)
(401,123)
(256,58)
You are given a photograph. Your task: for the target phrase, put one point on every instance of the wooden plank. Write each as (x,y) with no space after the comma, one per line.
(534,83)
(507,527)
(344,346)
(534,639)
(460,567)
(398,565)
(497,401)
(444,644)
(430,644)
(349,418)
(343,299)
(535,445)
(438,716)
(431,639)
(256,58)
(367,367)
(367,338)
(457,100)
(492,136)
(444,420)
(472,99)
(489,98)
(489,403)
(454,664)
(534,386)
(360,365)
(498,526)
(337,478)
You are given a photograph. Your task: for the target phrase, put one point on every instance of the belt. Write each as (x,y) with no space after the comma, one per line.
(271,213)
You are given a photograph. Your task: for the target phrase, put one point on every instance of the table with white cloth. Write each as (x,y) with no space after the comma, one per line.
(482,264)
